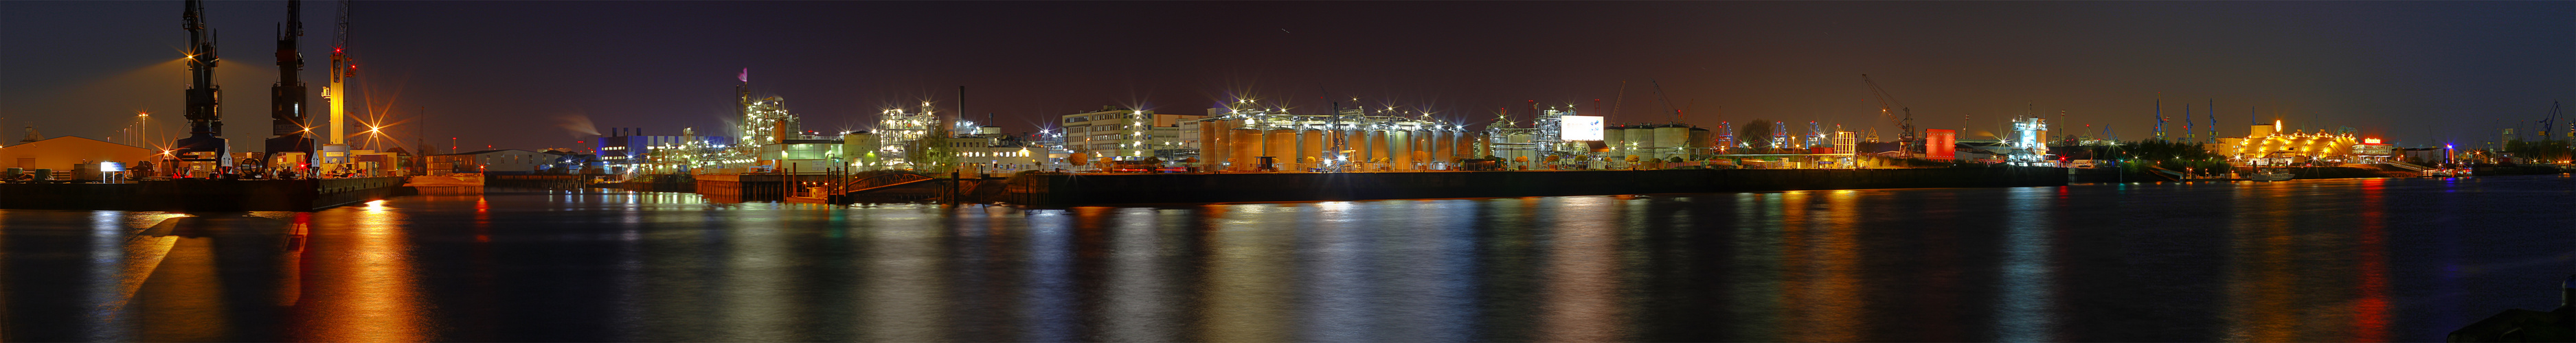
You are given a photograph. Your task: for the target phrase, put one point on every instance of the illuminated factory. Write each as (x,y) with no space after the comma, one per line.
(1655,141)
(1244,137)
(1124,132)
(2267,144)
(1556,132)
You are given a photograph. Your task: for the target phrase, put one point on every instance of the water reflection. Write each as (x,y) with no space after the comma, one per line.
(1142,302)
(118,268)
(2262,293)
(2026,307)
(1581,301)
(370,294)
(2370,322)
(2373,260)
(1245,281)
(901,278)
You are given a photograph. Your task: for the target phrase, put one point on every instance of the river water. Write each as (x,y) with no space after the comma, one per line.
(2307,260)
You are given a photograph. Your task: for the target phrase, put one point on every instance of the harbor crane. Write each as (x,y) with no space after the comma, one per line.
(2545,123)
(1888,108)
(336,151)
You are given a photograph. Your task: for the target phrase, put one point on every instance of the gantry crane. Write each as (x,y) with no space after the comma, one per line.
(1888,108)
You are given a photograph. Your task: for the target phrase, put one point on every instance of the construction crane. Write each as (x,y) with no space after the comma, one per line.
(1888,108)
(2545,123)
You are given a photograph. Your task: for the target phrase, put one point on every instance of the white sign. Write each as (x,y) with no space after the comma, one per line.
(1581,128)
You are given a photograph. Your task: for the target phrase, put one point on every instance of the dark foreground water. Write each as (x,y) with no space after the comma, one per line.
(2311,260)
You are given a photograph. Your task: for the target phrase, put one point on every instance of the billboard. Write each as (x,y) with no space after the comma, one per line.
(2367,149)
(1581,128)
(1941,144)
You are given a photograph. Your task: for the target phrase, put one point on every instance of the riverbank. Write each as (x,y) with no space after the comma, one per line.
(1099,189)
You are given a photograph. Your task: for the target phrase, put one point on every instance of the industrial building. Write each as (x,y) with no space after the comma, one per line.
(1246,138)
(887,145)
(2269,145)
(628,150)
(768,139)
(1125,132)
(2029,143)
(65,153)
(1655,141)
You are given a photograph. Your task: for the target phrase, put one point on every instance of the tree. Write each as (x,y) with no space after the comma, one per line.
(1755,133)
(931,153)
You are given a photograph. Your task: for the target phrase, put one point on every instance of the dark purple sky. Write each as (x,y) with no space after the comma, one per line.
(507,73)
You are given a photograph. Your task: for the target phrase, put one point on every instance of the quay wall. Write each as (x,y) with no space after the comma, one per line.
(199,195)
(1092,189)
(741,187)
(536,181)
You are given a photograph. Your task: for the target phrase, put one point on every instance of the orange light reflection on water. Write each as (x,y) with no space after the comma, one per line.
(2261,287)
(1827,285)
(1582,303)
(377,299)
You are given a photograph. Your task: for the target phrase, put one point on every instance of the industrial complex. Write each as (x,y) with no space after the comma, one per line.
(766,152)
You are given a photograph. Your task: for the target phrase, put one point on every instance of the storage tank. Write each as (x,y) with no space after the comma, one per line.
(1612,135)
(1640,136)
(1672,136)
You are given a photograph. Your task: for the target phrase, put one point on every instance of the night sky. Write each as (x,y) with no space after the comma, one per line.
(512,74)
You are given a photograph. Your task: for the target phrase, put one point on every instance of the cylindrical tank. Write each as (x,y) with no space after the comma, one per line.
(1613,136)
(1310,143)
(1212,145)
(1640,136)
(1668,137)
(1358,143)
(1467,143)
(1440,150)
(1376,148)
(1246,145)
(1400,147)
(1282,148)
(1702,138)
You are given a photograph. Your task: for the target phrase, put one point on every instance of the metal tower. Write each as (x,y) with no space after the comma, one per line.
(337,94)
(287,129)
(205,142)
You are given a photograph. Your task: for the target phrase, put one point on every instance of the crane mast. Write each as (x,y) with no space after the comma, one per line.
(287,113)
(1888,108)
(2552,120)
(337,93)
(205,142)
